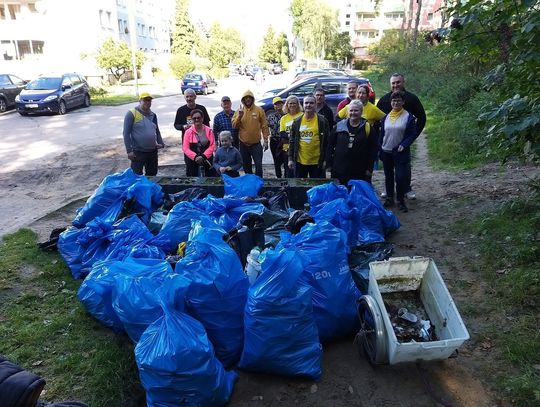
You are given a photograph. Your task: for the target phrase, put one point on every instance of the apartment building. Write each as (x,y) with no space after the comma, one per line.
(366,21)
(36,35)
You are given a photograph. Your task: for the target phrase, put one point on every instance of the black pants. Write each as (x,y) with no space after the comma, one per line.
(396,170)
(232,173)
(146,160)
(192,168)
(255,152)
(311,171)
(280,158)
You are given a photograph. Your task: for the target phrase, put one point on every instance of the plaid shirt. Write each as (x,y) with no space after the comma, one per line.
(222,122)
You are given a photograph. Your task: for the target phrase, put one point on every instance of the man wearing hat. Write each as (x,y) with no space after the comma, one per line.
(142,137)
(223,121)
(273,125)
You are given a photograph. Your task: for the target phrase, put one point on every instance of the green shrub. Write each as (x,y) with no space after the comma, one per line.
(98,92)
(361,64)
(181,64)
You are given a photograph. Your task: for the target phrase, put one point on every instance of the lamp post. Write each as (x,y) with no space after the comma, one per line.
(133,43)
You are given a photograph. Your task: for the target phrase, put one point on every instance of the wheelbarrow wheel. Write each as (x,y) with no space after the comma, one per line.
(371,337)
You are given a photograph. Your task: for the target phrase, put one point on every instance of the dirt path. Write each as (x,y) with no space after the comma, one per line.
(348,380)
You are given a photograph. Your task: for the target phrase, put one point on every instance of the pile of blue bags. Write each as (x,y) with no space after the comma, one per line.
(196,319)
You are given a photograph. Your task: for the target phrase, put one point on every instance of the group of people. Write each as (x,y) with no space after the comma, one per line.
(305,139)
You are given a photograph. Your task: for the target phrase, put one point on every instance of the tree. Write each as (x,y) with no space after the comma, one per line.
(222,46)
(181,65)
(283,45)
(340,49)
(115,57)
(183,37)
(416,22)
(271,47)
(315,23)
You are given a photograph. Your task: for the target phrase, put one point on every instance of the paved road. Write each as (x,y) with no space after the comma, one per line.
(28,142)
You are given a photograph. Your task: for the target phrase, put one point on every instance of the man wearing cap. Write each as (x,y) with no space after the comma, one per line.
(223,121)
(273,125)
(250,120)
(142,137)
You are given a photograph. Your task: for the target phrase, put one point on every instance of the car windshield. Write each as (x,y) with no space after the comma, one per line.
(192,77)
(44,83)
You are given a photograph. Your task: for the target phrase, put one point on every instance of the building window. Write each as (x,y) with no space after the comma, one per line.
(32,7)
(430,16)
(347,23)
(366,16)
(347,16)
(120,26)
(365,34)
(394,16)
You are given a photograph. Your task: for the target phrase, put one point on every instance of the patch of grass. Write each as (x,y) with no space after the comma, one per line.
(46,330)
(114,100)
(510,262)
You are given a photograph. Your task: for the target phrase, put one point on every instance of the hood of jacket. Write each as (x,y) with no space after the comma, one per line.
(248,93)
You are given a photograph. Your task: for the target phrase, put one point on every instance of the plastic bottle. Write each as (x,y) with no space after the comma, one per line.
(253,267)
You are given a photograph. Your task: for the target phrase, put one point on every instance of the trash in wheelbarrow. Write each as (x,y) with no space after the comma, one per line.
(400,276)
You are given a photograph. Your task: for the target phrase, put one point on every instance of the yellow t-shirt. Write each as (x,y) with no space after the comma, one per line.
(370,112)
(285,124)
(309,147)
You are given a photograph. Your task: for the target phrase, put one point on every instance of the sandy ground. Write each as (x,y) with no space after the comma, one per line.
(348,380)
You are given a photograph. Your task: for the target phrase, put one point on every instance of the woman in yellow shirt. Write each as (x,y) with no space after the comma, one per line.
(371,113)
(292,110)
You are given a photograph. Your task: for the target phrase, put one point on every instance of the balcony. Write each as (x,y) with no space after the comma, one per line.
(366,25)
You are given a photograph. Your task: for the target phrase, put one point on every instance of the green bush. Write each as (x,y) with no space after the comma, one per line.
(361,64)
(181,64)
(219,73)
(99,92)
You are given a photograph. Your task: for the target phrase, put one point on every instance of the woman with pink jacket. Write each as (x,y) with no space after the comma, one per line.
(199,145)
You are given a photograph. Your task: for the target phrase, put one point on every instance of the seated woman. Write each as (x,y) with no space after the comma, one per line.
(398,132)
(228,159)
(199,145)
(352,147)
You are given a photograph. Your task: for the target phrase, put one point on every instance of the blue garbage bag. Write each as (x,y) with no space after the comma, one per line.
(327,272)
(280,333)
(113,191)
(226,212)
(338,213)
(322,194)
(218,289)
(71,251)
(245,185)
(373,221)
(177,365)
(178,224)
(95,292)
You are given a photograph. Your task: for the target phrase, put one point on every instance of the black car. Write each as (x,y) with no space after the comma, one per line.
(53,93)
(10,87)
(335,88)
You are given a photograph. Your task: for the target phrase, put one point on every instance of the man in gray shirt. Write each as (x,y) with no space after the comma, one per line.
(142,137)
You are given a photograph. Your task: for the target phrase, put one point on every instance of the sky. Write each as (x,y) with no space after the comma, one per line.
(250,18)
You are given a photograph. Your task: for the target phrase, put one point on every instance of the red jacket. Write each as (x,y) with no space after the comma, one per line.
(190,143)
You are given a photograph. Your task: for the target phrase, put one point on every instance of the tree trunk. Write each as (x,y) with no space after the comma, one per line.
(417,23)
(410,16)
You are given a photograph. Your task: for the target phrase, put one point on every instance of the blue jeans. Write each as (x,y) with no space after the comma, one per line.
(255,152)
(396,167)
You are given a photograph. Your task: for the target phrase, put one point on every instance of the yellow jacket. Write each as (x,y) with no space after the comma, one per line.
(252,123)
(370,112)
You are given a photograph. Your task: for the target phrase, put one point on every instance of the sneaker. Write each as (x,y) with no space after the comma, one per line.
(388,203)
(410,195)
(402,207)
(383,194)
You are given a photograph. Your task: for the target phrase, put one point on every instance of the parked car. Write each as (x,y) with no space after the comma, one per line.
(53,93)
(10,87)
(275,69)
(335,88)
(200,82)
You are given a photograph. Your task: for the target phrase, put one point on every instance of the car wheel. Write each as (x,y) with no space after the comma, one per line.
(3,105)
(205,90)
(87,100)
(62,107)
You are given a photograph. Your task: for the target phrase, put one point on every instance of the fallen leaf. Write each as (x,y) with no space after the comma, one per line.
(313,389)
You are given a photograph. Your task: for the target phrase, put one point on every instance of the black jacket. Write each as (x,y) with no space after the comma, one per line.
(328,115)
(412,105)
(355,161)
(18,388)
(324,132)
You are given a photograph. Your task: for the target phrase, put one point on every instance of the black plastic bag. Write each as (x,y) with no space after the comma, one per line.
(51,244)
(360,257)
(297,220)
(277,201)
(186,195)
(248,234)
